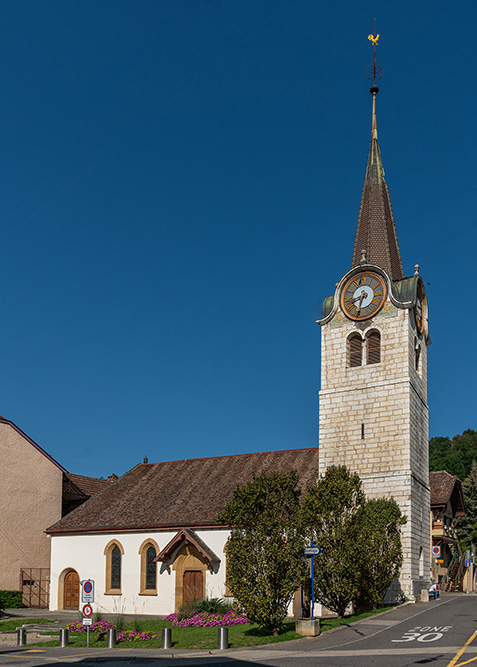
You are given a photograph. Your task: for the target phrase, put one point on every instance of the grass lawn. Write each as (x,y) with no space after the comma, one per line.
(13,624)
(206,638)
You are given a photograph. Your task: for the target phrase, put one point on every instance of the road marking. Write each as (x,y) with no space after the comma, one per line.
(453,662)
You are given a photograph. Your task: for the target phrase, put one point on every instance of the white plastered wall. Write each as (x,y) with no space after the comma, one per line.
(85,554)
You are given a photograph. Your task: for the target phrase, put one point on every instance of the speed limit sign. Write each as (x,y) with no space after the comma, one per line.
(436,552)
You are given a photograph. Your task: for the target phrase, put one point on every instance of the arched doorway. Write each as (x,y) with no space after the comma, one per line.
(71,590)
(190,568)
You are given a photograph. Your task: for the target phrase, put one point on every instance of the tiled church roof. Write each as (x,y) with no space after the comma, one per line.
(376,231)
(176,494)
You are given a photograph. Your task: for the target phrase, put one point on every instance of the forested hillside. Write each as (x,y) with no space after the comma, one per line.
(456,455)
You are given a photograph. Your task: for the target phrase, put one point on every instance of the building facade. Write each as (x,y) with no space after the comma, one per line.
(150,541)
(35,492)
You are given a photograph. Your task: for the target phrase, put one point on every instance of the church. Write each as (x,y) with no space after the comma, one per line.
(150,540)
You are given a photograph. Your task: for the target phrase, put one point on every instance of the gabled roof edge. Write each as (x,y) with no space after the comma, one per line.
(32,442)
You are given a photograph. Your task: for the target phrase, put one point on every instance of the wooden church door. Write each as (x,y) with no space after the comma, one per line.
(193,585)
(71,597)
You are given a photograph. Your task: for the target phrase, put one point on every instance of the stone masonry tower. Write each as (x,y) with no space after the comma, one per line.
(373,398)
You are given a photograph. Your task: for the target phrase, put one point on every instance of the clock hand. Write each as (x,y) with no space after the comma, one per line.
(363,294)
(360,296)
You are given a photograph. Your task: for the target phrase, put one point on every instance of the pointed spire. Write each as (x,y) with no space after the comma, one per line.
(376,230)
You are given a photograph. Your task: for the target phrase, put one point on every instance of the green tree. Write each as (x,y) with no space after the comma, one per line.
(330,513)
(380,556)
(265,564)
(456,456)
(466,525)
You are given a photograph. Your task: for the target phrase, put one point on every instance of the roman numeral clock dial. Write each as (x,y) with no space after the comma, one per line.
(363,296)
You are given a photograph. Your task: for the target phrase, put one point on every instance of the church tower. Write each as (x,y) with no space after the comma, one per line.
(373,398)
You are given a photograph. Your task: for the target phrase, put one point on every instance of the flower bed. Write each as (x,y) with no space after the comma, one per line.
(134,635)
(98,626)
(104,626)
(205,619)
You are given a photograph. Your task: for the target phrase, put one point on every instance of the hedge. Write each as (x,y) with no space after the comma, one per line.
(10,599)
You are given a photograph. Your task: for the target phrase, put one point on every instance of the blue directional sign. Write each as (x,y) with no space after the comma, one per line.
(313,551)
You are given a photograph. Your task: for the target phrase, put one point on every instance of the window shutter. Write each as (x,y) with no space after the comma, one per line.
(355,351)
(373,347)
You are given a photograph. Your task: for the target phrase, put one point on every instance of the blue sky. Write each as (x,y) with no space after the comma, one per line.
(180,190)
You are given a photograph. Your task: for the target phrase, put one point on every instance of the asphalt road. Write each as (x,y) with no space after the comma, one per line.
(434,633)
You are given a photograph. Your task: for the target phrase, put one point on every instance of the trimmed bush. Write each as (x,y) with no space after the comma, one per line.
(11,599)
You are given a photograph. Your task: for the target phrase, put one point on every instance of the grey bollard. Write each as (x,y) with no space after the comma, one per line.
(111,638)
(166,638)
(222,638)
(64,639)
(21,637)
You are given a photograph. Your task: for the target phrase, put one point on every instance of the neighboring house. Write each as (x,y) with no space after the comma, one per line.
(35,492)
(150,540)
(447,505)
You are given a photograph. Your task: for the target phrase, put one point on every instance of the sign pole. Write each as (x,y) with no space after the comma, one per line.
(312,585)
(87,636)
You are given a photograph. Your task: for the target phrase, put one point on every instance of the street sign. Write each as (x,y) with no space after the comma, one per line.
(87,621)
(436,552)
(87,591)
(467,562)
(87,610)
(313,551)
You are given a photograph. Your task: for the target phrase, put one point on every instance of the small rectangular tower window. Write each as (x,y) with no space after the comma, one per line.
(362,431)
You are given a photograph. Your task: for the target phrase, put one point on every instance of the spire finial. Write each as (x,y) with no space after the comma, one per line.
(374,72)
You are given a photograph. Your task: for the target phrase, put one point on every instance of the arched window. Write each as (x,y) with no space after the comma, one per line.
(148,552)
(373,347)
(355,350)
(114,553)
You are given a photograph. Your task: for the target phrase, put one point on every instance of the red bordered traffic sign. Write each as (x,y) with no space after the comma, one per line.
(87,610)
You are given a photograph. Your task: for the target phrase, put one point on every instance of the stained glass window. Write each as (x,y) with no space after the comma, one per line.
(151,569)
(116,568)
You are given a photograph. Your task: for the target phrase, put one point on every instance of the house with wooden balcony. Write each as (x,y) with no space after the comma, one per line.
(447,506)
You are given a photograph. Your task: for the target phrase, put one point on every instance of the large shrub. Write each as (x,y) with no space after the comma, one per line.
(11,599)
(265,563)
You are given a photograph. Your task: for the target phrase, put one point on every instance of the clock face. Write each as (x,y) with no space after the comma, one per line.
(418,310)
(363,296)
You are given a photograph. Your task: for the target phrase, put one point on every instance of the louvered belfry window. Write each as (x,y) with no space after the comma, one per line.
(355,349)
(373,347)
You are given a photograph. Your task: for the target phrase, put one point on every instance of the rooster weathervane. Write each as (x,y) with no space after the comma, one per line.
(374,71)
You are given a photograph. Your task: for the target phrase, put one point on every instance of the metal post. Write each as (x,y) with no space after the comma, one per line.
(166,636)
(312,585)
(21,637)
(64,640)
(87,636)
(222,638)
(111,638)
